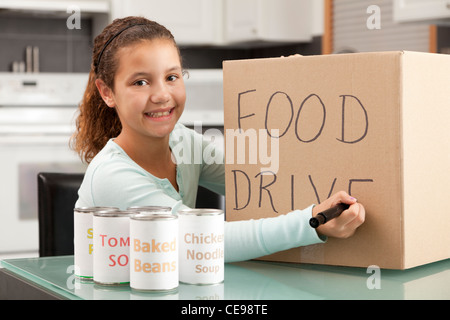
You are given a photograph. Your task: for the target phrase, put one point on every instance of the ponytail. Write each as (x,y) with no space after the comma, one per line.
(96,123)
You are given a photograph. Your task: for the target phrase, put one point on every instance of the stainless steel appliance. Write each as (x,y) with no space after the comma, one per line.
(37,117)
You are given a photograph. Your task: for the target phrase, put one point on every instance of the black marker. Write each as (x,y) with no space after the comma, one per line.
(327,215)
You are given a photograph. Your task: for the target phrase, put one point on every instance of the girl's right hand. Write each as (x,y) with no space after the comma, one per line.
(346,224)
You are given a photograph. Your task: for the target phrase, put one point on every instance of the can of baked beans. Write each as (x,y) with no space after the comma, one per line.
(154,252)
(83,240)
(111,247)
(201,253)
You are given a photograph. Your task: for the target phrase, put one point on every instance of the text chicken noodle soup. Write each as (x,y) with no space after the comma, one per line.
(201,253)
(83,240)
(111,247)
(154,252)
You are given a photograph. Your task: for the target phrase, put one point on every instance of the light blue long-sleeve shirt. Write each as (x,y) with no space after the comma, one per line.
(114,179)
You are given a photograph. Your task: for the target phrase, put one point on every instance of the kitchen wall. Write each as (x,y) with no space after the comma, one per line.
(69,50)
(352,33)
(353,30)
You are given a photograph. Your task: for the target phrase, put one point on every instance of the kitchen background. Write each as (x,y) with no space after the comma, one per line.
(45,55)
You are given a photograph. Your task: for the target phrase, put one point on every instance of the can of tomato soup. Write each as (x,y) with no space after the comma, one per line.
(83,240)
(154,252)
(111,247)
(201,253)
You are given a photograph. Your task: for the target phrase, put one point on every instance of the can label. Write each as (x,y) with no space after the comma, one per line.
(154,252)
(83,240)
(83,245)
(201,255)
(111,248)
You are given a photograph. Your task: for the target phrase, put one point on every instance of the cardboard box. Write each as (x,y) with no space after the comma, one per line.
(376,125)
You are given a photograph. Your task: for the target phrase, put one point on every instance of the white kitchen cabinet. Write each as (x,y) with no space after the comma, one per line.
(86,6)
(431,11)
(191,21)
(286,20)
(268,20)
(222,22)
(240,20)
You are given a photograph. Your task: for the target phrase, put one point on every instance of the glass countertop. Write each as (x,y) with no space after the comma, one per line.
(255,280)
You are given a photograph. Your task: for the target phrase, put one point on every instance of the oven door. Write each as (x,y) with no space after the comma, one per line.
(22,157)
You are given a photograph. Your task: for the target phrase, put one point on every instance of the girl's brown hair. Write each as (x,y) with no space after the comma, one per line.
(96,122)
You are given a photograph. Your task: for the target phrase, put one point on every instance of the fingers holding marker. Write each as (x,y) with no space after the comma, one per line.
(338,216)
(334,200)
(354,216)
(343,197)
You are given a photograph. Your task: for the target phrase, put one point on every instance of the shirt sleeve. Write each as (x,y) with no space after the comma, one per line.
(249,239)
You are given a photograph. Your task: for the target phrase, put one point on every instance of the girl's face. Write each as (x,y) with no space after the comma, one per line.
(149,93)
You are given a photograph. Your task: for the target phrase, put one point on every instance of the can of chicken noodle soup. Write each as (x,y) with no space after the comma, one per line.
(154,252)
(201,252)
(111,247)
(83,240)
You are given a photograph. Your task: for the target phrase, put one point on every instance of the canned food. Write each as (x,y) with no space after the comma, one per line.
(83,236)
(111,247)
(151,209)
(154,252)
(201,253)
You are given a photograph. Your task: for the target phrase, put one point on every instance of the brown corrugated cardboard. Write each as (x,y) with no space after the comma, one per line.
(372,124)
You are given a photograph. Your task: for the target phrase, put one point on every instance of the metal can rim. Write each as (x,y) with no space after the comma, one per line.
(149,208)
(153,217)
(201,212)
(95,209)
(112,214)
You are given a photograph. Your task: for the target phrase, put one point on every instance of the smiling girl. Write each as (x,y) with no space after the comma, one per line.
(128,126)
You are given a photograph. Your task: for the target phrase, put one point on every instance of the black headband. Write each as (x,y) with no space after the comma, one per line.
(97,63)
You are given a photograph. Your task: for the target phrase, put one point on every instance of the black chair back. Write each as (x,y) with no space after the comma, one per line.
(57,194)
(209,199)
